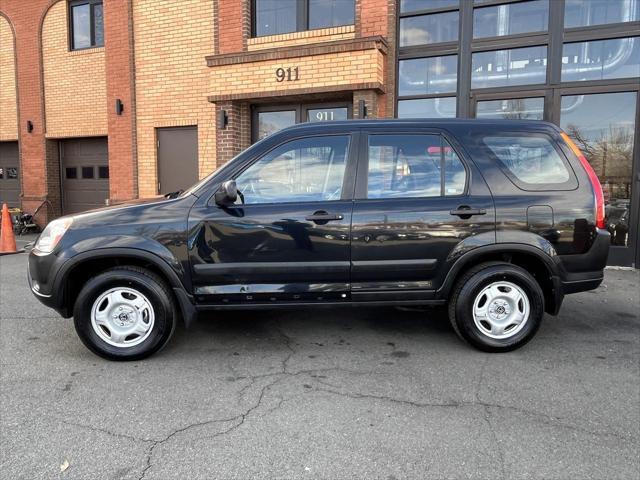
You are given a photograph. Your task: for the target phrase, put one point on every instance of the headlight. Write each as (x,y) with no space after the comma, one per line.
(52,234)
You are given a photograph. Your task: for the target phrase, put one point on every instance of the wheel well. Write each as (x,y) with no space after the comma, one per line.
(83,271)
(530,262)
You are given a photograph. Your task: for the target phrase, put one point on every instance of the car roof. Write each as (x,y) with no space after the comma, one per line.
(422,122)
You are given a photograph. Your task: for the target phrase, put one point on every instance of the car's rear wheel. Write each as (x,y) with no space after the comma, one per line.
(496,307)
(125,313)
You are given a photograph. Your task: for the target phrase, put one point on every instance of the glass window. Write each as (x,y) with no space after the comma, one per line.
(271,122)
(87,172)
(331,13)
(1,173)
(502,68)
(327,114)
(415,5)
(103,172)
(275,16)
(87,24)
(511,109)
(304,170)
(581,13)
(443,107)
(425,29)
(12,173)
(402,166)
(511,19)
(423,76)
(603,126)
(71,173)
(600,60)
(531,159)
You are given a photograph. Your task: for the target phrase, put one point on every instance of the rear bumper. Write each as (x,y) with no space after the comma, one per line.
(586,271)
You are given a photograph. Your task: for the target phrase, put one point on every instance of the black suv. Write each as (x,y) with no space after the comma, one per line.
(497,219)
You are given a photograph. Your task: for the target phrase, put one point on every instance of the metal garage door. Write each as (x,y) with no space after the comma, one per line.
(9,174)
(177,158)
(85,174)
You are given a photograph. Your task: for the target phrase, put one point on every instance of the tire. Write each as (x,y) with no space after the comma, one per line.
(492,297)
(118,301)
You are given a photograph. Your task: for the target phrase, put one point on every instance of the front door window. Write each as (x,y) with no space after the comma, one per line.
(603,126)
(271,122)
(303,170)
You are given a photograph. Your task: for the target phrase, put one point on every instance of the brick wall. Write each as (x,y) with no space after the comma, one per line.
(8,99)
(171,40)
(119,57)
(74,81)
(301,38)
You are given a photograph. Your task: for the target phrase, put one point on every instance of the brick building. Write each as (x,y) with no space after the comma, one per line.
(109,100)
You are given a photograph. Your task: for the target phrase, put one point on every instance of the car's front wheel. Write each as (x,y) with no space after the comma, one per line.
(496,307)
(125,313)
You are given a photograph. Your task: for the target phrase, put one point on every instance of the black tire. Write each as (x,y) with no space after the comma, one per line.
(142,280)
(471,285)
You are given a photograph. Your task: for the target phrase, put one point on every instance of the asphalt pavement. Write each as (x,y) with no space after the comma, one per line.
(327,393)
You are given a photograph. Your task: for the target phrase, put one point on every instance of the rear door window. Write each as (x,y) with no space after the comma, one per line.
(405,166)
(532,162)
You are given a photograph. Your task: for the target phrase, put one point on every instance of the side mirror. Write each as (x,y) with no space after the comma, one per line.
(227,193)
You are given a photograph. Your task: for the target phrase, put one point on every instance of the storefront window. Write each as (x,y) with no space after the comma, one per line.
(511,109)
(603,126)
(601,60)
(423,76)
(443,107)
(425,29)
(503,68)
(511,19)
(581,13)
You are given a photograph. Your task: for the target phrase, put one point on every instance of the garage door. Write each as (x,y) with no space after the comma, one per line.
(9,174)
(85,174)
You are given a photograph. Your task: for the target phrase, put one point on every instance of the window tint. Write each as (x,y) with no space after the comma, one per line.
(531,160)
(330,13)
(304,170)
(511,19)
(433,28)
(87,24)
(413,166)
(423,76)
(275,16)
(581,13)
(601,59)
(87,172)
(502,68)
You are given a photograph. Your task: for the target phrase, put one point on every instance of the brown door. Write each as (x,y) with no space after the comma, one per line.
(177,158)
(85,174)
(9,174)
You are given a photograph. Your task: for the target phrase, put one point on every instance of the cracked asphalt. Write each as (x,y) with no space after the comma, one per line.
(344,393)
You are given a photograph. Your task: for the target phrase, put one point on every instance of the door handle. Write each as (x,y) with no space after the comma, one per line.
(465,212)
(323,217)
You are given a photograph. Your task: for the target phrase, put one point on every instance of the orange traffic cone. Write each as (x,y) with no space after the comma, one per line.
(7,238)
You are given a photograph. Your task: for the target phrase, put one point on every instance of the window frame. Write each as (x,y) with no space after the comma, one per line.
(362,175)
(346,193)
(302,19)
(92,27)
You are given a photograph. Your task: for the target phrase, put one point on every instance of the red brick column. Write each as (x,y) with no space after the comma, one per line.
(40,179)
(234,25)
(118,37)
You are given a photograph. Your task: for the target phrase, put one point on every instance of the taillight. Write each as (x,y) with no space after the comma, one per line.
(595,182)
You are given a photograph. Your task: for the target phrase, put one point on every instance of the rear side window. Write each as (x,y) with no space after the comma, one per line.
(405,166)
(532,162)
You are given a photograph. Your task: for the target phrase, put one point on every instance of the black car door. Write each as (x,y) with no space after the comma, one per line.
(287,236)
(417,199)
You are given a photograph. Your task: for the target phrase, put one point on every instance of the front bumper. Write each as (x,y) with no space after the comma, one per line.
(41,274)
